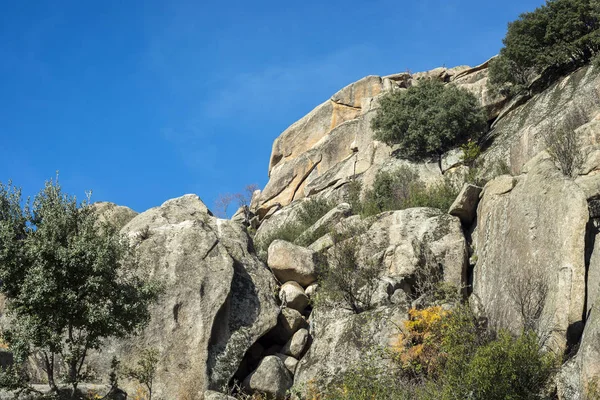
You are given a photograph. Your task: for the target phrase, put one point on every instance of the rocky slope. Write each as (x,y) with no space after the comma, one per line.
(226,315)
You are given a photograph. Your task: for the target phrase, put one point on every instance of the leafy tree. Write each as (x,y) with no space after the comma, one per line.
(559,34)
(145,370)
(69,281)
(429,119)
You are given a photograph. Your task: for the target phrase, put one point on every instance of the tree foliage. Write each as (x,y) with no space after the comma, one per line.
(69,281)
(429,119)
(559,34)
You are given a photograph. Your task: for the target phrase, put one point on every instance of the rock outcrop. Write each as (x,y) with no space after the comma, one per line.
(335,141)
(117,216)
(530,241)
(219,298)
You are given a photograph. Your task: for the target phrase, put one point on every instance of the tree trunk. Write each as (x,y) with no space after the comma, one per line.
(49,364)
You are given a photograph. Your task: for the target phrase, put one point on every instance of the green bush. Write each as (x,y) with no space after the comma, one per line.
(346,278)
(310,211)
(429,119)
(472,363)
(559,34)
(401,189)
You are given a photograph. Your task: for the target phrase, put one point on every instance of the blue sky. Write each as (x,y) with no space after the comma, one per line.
(142,101)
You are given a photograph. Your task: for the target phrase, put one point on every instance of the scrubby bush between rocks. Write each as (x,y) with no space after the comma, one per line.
(401,189)
(346,278)
(309,212)
(449,355)
(429,119)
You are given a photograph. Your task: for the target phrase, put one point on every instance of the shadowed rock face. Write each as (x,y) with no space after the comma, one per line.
(219,298)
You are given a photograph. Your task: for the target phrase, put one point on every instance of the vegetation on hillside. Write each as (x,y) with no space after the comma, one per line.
(69,283)
(559,35)
(429,119)
(447,355)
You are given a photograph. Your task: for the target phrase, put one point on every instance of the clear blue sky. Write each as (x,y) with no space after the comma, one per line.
(142,101)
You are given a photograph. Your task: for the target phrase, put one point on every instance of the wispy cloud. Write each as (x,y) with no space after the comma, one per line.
(277,87)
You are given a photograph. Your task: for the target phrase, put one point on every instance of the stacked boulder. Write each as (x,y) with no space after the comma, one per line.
(295,268)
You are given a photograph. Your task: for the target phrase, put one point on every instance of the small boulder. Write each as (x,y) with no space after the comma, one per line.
(465,205)
(290,262)
(296,345)
(293,296)
(271,378)
(290,362)
(311,290)
(288,323)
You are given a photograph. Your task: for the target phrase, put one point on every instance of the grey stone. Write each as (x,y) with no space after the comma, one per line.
(531,239)
(465,205)
(212,395)
(271,378)
(297,344)
(290,262)
(218,298)
(292,295)
(290,362)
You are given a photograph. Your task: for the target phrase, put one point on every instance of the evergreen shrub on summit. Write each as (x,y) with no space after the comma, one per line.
(429,119)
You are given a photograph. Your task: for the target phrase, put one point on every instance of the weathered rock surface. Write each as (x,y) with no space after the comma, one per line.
(290,262)
(297,344)
(341,339)
(530,236)
(290,362)
(325,223)
(117,216)
(271,378)
(289,322)
(292,295)
(518,134)
(407,240)
(218,297)
(335,142)
(465,205)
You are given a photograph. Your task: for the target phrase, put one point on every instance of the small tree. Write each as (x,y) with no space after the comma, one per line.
(564,146)
(69,281)
(559,34)
(145,370)
(347,278)
(429,119)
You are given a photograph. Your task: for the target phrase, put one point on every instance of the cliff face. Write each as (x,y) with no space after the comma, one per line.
(227,315)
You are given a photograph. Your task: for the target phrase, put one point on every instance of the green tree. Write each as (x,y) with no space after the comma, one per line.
(559,34)
(429,119)
(69,281)
(145,369)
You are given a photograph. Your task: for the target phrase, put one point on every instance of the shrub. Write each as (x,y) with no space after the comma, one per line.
(309,212)
(145,370)
(559,34)
(505,368)
(401,189)
(471,151)
(345,277)
(565,148)
(428,119)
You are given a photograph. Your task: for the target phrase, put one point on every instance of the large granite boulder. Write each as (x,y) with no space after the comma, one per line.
(530,245)
(290,262)
(218,301)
